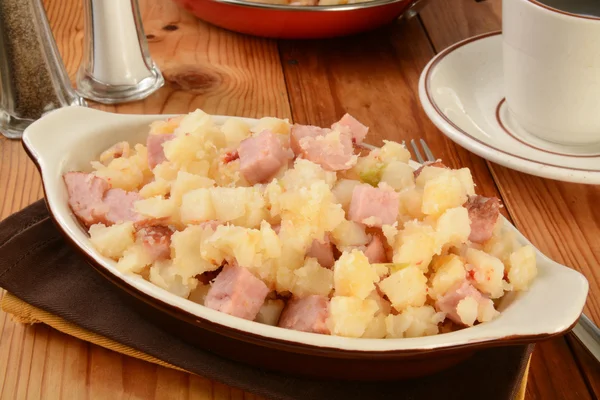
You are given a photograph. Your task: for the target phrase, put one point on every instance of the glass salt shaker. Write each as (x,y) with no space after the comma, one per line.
(116,66)
(33,79)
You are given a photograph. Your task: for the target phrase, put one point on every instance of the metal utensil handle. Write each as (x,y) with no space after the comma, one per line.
(588,334)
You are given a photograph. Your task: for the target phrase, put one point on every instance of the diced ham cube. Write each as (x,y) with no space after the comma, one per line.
(261,156)
(437,164)
(373,206)
(301,131)
(323,252)
(308,314)
(118,207)
(156,154)
(156,241)
(375,251)
(237,292)
(449,301)
(483,214)
(358,130)
(85,195)
(333,153)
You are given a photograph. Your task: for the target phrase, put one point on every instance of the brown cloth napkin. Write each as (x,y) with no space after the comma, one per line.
(39,268)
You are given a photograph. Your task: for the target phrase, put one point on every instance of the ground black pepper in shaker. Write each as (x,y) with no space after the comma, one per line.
(33,79)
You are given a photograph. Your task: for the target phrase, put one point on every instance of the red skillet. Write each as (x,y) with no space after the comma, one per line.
(299,22)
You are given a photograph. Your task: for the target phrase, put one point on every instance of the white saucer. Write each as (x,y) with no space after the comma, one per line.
(461,91)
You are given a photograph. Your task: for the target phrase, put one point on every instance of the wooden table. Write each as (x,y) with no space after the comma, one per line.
(373,76)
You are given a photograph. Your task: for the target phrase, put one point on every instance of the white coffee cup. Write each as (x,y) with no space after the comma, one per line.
(552,71)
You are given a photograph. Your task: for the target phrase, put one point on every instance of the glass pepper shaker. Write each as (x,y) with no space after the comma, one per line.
(116,65)
(33,79)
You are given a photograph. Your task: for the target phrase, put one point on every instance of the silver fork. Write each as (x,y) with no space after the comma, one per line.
(585,331)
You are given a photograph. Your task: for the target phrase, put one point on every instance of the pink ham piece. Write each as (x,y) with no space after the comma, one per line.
(483,213)
(378,206)
(437,164)
(358,130)
(237,292)
(301,131)
(85,195)
(323,252)
(261,156)
(117,207)
(156,153)
(448,302)
(375,251)
(308,314)
(156,241)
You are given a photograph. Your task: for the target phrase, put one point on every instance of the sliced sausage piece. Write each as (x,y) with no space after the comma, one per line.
(237,292)
(375,250)
(261,156)
(438,164)
(449,301)
(333,152)
(301,131)
(156,240)
(85,194)
(156,153)
(373,206)
(118,207)
(323,252)
(358,130)
(308,314)
(483,213)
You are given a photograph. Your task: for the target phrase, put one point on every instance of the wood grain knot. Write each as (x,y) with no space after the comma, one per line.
(170,27)
(192,78)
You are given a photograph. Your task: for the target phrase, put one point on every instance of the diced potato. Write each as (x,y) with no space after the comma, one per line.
(414,322)
(112,241)
(398,175)
(349,233)
(270,241)
(304,174)
(467,310)
(163,274)
(196,121)
(453,227)
(376,329)
(384,306)
(406,287)
(198,295)
(411,202)
(415,244)
(275,125)
(123,173)
(285,279)
(165,126)
(522,268)
(241,206)
(350,316)
(159,187)
(353,276)
(450,272)
(390,232)
(269,312)
(186,182)
(235,130)
(428,173)
(197,206)
(464,176)
(501,245)
(312,279)
(486,311)
(487,272)
(343,192)
(134,259)
(235,242)
(155,207)
(182,150)
(186,251)
(393,151)
(441,193)
(166,171)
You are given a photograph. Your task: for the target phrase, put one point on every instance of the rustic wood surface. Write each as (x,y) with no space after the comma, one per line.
(374,76)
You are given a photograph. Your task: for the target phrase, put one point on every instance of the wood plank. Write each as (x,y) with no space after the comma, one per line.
(205,67)
(559,218)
